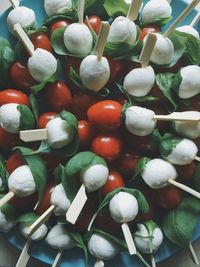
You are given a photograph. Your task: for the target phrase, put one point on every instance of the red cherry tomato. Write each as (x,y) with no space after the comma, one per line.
(156,92)
(86,133)
(24,204)
(108,146)
(8,141)
(197,142)
(116,70)
(51,162)
(105,114)
(168,197)
(13,96)
(95,23)
(149,29)
(130,65)
(59,24)
(14,161)
(45,202)
(41,40)
(58,96)
(45,118)
(105,222)
(186,172)
(115,181)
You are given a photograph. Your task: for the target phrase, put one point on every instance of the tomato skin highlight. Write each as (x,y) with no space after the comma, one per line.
(86,133)
(45,202)
(14,161)
(115,181)
(168,197)
(106,115)
(95,23)
(8,140)
(45,118)
(149,29)
(186,172)
(41,40)
(13,96)
(59,24)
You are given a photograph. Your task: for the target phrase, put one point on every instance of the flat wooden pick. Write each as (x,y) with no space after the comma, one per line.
(178,116)
(197,159)
(24,256)
(81,6)
(153,262)
(129,239)
(77,205)
(134,9)
(34,135)
(102,39)
(193,254)
(148,49)
(14,3)
(58,258)
(185,188)
(6,198)
(195,20)
(23,37)
(99,263)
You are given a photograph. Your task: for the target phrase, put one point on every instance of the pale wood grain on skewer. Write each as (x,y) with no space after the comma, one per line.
(193,254)
(153,262)
(197,158)
(58,258)
(102,38)
(81,6)
(148,49)
(195,20)
(129,239)
(24,256)
(134,9)
(178,116)
(34,135)
(14,3)
(185,188)
(99,263)
(6,198)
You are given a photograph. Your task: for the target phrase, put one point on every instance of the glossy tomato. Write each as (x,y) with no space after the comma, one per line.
(13,96)
(14,161)
(41,40)
(8,140)
(59,24)
(45,118)
(115,181)
(168,197)
(116,70)
(95,23)
(58,96)
(149,29)
(45,202)
(24,204)
(106,115)
(86,133)
(105,222)
(51,162)
(186,172)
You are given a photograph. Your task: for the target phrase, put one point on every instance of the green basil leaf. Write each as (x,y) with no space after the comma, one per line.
(58,43)
(59,174)
(140,166)
(69,118)
(73,75)
(160,22)
(27,219)
(96,7)
(9,211)
(155,139)
(147,98)
(27,121)
(168,144)
(4,176)
(150,226)
(35,107)
(196,178)
(120,8)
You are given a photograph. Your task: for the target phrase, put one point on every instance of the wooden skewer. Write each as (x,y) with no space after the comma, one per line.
(197,158)
(153,262)
(81,6)
(99,263)
(134,9)
(6,198)
(181,17)
(41,220)
(193,254)
(24,38)
(185,188)
(195,20)
(148,49)
(77,205)
(34,135)
(102,38)
(129,239)
(178,116)
(58,258)
(24,256)
(14,3)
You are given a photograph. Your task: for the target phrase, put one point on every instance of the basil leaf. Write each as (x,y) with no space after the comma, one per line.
(73,75)
(3,176)
(196,178)
(35,107)
(58,42)
(9,211)
(147,98)
(160,22)
(168,144)
(140,166)
(96,7)
(69,15)
(119,8)
(27,121)
(69,118)
(27,219)
(59,173)
(150,226)
(155,140)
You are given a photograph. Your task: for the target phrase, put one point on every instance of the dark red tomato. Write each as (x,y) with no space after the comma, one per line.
(51,162)
(45,202)
(13,96)
(41,40)
(86,133)
(194,104)
(156,92)
(108,146)
(105,114)
(173,69)
(197,142)
(24,204)
(59,24)
(130,65)
(149,29)
(168,197)
(95,23)
(186,172)
(58,96)
(74,63)
(21,77)
(122,100)
(45,118)
(127,163)
(8,141)
(116,70)
(115,181)
(14,161)
(105,222)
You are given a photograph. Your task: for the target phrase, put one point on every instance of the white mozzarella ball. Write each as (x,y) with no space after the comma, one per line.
(190,84)
(21,181)
(60,200)
(163,50)
(78,39)
(139,82)
(140,121)
(10,118)
(101,248)
(60,134)
(56,7)
(123,207)
(123,30)
(1,182)
(158,172)
(188,29)
(94,177)
(39,234)
(5,225)
(22,15)
(184,153)
(143,243)
(94,73)
(59,238)
(42,65)
(155,10)
(188,129)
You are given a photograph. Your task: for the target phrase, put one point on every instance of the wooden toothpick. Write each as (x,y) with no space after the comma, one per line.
(99,263)
(6,198)
(134,9)
(193,254)
(81,6)
(34,135)
(195,20)
(58,258)
(148,49)
(24,256)
(129,239)
(102,38)
(185,188)
(178,116)
(14,3)
(153,262)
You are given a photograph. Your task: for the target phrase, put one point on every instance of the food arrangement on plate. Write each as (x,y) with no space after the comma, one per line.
(100,129)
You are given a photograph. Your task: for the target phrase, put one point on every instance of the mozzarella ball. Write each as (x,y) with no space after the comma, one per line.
(22,15)
(123,207)
(39,234)
(101,248)
(157,173)
(143,243)
(94,73)
(78,39)
(188,129)
(123,30)
(140,121)
(5,224)
(94,177)
(184,153)
(42,65)
(21,181)
(59,238)
(1,182)
(163,50)
(56,7)
(10,118)
(155,10)
(190,84)
(188,29)
(60,133)
(139,82)
(60,200)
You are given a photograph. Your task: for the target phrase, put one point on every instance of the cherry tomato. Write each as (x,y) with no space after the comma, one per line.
(108,146)
(58,96)
(105,114)
(168,197)
(149,29)
(24,204)
(45,202)
(95,23)
(186,172)
(194,104)
(122,100)
(197,142)
(86,133)
(130,65)
(41,40)
(156,92)
(105,222)
(59,24)
(13,96)
(116,70)
(51,162)
(14,161)
(115,181)
(45,118)
(8,141)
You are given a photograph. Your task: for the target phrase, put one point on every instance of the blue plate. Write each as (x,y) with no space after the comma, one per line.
(75,257)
